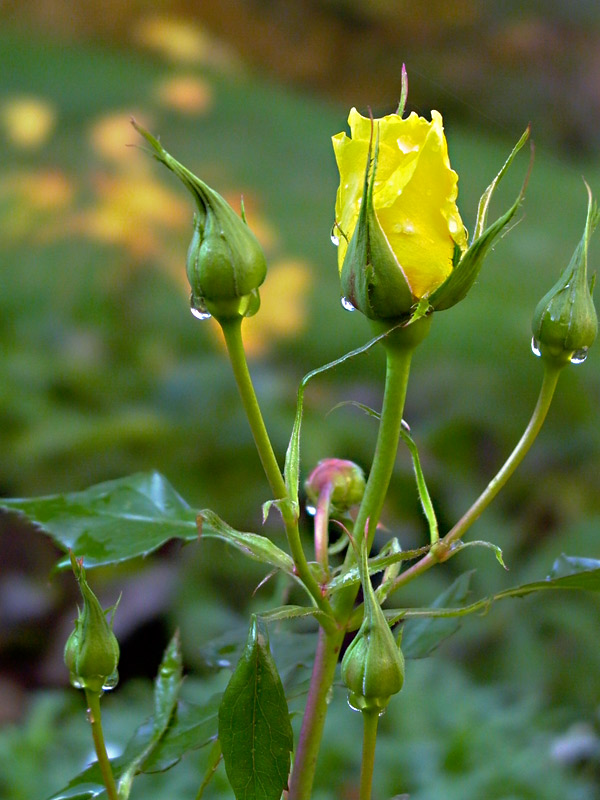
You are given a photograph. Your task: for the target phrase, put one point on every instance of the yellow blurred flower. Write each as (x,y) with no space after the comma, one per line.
(186,94)
(413,222)
(182,41)
(111,137)
(283,306)
(27,121)
(136,214)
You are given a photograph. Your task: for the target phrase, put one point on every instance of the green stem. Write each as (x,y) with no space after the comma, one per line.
(386,448)
(232,331)
(370,722)
(540,412)
(93,704)
(551,374)
(396,381)
(313,721)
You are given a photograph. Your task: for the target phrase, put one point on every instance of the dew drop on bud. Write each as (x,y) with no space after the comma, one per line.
(198,308)
(579,356)
(535,347)
(335,239)
(110,682)
(347,304)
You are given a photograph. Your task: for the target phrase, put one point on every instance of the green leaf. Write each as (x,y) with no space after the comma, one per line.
(568,572)
(191,727)
(422,489)
(166,693)
(480,543)
(214,759)
(421,636)
(460,280)
(289,612)
(257,547)
(486,197)
(254,726)
(112,521)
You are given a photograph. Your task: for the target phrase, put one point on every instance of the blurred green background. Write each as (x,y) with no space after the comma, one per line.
(104,372)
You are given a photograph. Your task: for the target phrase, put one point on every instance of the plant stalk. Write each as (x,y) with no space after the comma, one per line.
(313,721)
(95,719)
(370,722)
(540,412)
(232,331)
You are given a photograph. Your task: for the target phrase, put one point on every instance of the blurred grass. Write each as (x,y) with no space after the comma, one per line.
(105,372)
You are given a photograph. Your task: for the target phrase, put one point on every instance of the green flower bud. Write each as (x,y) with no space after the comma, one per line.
(565,322)
(373,664)
(92,651)
(345,481)
(225,262)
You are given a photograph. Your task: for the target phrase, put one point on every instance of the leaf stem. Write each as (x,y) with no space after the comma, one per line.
(370,722)
(95,719)
(232,331)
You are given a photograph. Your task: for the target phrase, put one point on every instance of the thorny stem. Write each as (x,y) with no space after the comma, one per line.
(232,331)
(95,719)
(313,721)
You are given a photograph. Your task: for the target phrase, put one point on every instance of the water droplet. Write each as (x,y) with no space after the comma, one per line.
(335,239)
(347,304)
(111,682)
(579,356)
(76,682)
(535,347)
(352,706)
(311,510)
(198,308)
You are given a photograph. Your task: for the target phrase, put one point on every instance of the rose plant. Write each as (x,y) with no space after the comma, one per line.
(403,254)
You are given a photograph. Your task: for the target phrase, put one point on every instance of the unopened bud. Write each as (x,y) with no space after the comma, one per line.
(92,651)
(225,262)
(345,481)
(373,664)
(565,322)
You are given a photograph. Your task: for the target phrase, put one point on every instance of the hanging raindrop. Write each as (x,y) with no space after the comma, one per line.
(198,308)
(111,681)
(311,510)
(535,347)
(579,356)
(347,304)
(335,239)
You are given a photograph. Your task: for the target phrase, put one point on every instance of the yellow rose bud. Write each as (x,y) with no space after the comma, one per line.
(403,248)
(411,231)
